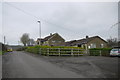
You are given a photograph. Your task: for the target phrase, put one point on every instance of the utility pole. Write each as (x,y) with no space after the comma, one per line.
(4,40)
(39,31)
(18,43)
(7,43)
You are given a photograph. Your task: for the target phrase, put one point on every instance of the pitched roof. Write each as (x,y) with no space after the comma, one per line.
(47,38)
(82,41)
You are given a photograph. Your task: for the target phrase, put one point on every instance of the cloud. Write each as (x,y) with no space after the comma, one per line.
(71,20)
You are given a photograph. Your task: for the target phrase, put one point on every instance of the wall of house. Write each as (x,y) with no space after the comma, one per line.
(45,43)
(97,43)
(56,40)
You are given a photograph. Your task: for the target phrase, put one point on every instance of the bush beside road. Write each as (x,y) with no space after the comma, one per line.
(0,52)
(56,50)
(44,50)
(99,51)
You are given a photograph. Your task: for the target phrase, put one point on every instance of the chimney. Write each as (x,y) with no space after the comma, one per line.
(87,37)
(50,34)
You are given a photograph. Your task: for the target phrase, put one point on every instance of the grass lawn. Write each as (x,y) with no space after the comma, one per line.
(0,52)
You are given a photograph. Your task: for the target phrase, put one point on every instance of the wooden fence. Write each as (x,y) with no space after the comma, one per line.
(61,51)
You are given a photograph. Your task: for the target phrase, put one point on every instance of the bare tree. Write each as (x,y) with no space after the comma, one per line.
(112,42)
(31,42)
(25,38)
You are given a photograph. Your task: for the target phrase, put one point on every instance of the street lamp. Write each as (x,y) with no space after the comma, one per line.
(39,31)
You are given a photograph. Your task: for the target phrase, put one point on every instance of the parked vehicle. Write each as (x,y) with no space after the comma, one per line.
(115,51)
(9,49)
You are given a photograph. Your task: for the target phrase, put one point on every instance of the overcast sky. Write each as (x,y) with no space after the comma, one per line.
(72,20)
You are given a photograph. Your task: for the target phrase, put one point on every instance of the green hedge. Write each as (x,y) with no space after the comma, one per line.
(21,49)
(43,49)
(0,52)
(97,51)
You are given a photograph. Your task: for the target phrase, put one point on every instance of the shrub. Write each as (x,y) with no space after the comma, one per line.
(0,52)
(52,49)
(22,49)
(99,51)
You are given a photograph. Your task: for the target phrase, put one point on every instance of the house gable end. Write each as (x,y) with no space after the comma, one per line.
(54,36)
(93,38)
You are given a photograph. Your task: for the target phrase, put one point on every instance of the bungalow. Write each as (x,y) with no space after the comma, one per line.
(88,42)
(51,40)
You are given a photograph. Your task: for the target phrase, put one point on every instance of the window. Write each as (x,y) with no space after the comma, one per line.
(53,41)
(79,45)
(92,45)
(89,47)
(102,45)
(114,50)
(59,41)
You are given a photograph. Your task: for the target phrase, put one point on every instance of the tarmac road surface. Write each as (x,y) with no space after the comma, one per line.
(0,66)
(22,65)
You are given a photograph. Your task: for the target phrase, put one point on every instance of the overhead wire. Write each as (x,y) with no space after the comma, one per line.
(48,22)
(22,10)
(114,25)
(58,26)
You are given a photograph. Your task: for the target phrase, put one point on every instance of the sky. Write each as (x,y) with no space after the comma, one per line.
(72,20)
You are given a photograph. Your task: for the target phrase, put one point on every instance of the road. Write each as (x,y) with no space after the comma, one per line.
(88,66)
(0,66)
(22,65)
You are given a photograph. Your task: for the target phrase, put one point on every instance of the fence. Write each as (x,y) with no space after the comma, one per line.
(99,52)
(61,51)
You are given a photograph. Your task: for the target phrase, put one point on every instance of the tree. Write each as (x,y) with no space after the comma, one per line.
(25,38)
(3,47)
(118,43)
(31,42)
(112,42)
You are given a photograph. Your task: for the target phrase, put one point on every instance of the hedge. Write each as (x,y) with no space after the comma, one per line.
(0,52)
(97,51)
(21,49)
(53,49)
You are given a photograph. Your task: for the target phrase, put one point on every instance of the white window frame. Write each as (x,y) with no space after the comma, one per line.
(102,45)
(92,45)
